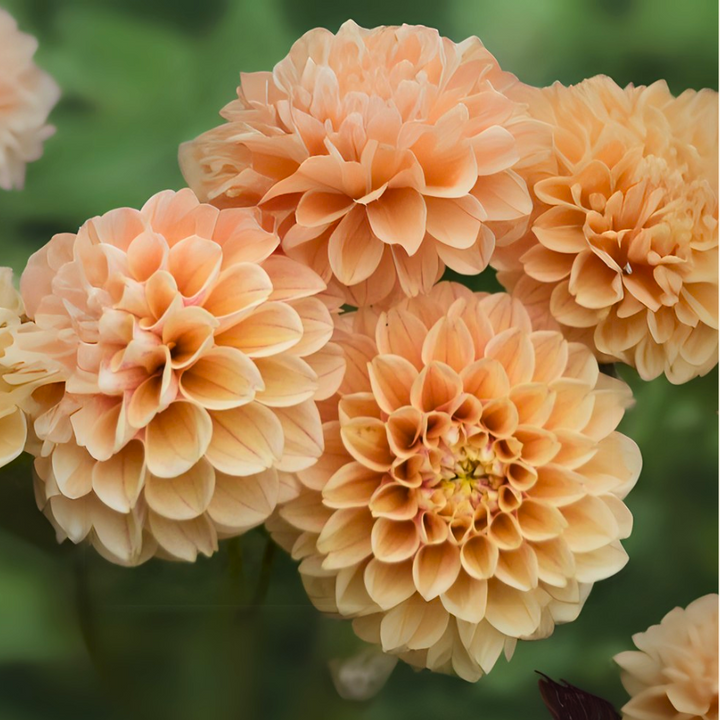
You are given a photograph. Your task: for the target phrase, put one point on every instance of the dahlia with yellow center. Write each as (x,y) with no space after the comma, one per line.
(673,675)
(381,153)
(190,357)
(471,489)
(27,96)
(623,249)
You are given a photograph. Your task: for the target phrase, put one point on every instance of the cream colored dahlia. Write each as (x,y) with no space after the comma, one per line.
(381,153)
(191,356)
(623,250)
(471,488)
(674,673)
(27,94)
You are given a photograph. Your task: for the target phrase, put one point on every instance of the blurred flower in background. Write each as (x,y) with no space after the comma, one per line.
(674,672)
(27,94)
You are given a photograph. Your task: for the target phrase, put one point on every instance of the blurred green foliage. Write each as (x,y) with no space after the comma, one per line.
(80,638)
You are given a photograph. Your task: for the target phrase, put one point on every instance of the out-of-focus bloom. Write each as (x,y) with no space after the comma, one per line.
(674,673)
(28,94)
(623,252)
(381,153)
(191,357)
(471,489)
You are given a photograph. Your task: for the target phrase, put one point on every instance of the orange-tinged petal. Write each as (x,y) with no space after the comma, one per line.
(184,496)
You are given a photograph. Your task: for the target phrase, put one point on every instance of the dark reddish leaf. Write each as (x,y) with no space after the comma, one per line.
(567,702)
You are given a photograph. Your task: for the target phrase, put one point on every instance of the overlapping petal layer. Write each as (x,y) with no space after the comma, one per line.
(381,153)
(28,94)
(189,356)
(674,672)
(623,249)
(471,488)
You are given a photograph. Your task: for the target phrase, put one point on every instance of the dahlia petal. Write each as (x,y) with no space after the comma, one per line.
(414,624)
(514,351)
(436,386)
(600,564)
(223,378)
(291,280)
(511,611)
(486,379)
(194,262)
(466,599)
(539,446)
(479,557)
(245,440)
(546,265)
(72,467)
(593,284)
(176,439)
(417,273)
(287,381)
(119,480)
(333,458)
(551,356)
(557,486)
(186,538)
(13,433)
(538,521)
(303,433)
(271,329)
(242,503)
(391,378)
(703,299)
(353,250)
(366,440)
(505,313)
(351,596)
(556,564)
(394,501)
(518,568)
(178,215)
(405,428)
(591,524)
(454,221)
(345,539)
(505,532)
(400,333)
(146,254)
(120,533)
(184,496)
(503,195)
(189,332)
(561,229)
(389,584)
(73,517)
(239,288)
(435,569)
(499,417)
(322,208)
(472,260)
(449,341)
(495,150)
(352,485)
(306,513)
(317,326)
(394,541)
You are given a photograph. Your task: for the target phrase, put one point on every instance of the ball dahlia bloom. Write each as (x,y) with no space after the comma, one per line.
(471,490)
(28,94)
(623,249)
(191,356)
(673,675)
(381,153)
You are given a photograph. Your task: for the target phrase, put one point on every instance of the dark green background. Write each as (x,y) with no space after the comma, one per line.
(80,638)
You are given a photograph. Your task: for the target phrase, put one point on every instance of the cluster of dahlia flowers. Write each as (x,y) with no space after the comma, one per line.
(275,344)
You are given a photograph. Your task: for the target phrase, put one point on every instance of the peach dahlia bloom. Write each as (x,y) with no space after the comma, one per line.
(673,675)
(191,357)
(27,94)
(623,251)
(381,153)
(471,489)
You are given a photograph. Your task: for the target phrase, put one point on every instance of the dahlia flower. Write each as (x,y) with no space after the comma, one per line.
(674,673)
(28,95)
(382,154)
(471,489)
(623,250)
(189,359)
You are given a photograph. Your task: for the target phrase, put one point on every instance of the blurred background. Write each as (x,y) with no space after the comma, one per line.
(232,637)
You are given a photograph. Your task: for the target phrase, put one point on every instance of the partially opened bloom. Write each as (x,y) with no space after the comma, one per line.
(190,358)
(623,251)
(673,675)
(471,489)
(28,94)
(382,154)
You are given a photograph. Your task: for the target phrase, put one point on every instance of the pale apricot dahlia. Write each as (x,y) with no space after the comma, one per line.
(471,489)
(27,94)
(623,248)
(381,153)
(673,675)
(191,357)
